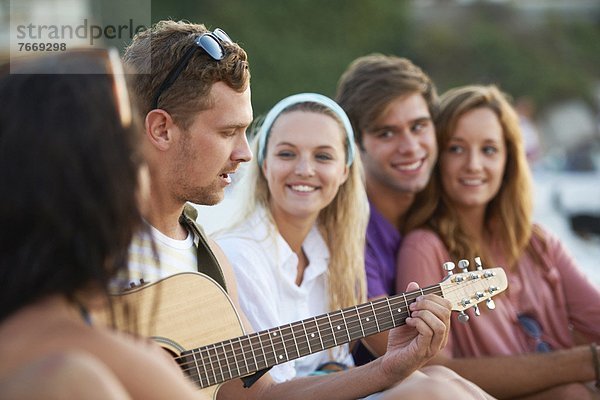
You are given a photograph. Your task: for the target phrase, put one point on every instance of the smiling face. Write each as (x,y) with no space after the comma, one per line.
(400,149)
(212,148)
(472,163)
(305,164)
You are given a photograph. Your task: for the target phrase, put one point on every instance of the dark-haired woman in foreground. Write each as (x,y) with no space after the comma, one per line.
(70,188)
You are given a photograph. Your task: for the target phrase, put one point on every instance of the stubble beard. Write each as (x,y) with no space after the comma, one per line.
(206,195)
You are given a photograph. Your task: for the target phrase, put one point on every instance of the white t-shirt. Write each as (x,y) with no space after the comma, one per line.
(175,256)
(266,267)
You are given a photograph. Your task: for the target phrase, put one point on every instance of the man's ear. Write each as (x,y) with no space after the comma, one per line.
(159,127)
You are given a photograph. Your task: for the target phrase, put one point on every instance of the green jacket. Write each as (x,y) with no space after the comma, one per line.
(207,261)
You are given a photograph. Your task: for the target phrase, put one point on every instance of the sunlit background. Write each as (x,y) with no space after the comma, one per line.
(544,53)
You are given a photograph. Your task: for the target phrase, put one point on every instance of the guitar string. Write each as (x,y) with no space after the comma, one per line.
(286,339)
(381,304)
(220,376)
(233,373)
(229,356)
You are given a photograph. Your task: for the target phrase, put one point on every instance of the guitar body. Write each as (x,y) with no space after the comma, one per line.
(191,316)
(181,312)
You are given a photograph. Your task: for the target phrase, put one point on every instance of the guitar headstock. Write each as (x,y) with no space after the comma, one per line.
(469,288)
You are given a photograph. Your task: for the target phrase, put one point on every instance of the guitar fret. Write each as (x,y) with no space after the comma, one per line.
(338,329)
(212,368)
(362,329)
(304,339)
(319,334)
(293,333)
(307,338)
(406,303)
(314,336)
(249,337)
(352,322)
(282,336)
(387,319)
(225,368)
(369,326)
(272,337)
(227,361)
(200,376)
(345,325)
(262,348)
(398,313)
(325,333)
(235,356)
(332,330)
(239,351)
(391,311)
(219,362)
(375,317)
(204,367)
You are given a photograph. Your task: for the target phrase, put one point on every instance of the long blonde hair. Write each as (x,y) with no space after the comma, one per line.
(342,223)
(509,214)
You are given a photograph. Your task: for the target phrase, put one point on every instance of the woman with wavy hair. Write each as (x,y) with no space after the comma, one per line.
(538,342)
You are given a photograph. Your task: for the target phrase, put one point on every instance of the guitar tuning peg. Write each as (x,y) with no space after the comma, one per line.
(489,274)
(490,304)
(478,263)
(448,267)
(464,265)
(462,317)
(477,312)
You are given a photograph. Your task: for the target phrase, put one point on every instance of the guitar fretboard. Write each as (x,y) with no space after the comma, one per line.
(245,355)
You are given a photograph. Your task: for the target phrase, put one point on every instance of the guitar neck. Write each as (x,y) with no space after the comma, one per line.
(245,355)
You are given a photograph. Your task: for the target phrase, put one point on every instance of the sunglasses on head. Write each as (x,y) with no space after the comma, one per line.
(210,42)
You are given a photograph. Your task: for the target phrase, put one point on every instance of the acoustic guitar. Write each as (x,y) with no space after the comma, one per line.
(192,317)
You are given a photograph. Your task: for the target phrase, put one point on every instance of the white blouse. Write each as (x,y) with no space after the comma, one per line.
(266,269)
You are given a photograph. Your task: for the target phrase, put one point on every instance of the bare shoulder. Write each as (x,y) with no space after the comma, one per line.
(144,368)
(66,374)
(39,337)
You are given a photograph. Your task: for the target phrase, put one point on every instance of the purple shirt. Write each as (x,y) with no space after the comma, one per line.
(383,243)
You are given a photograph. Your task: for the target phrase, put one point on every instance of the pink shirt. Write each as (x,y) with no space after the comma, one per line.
(558,295)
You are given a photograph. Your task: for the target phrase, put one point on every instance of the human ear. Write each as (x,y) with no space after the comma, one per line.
(158,126)
(346,174)
(263,167)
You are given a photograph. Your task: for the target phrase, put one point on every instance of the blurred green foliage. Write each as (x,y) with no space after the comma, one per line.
(305,45)
(301,45)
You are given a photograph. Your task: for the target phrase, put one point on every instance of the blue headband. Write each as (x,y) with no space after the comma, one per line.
(265,129)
